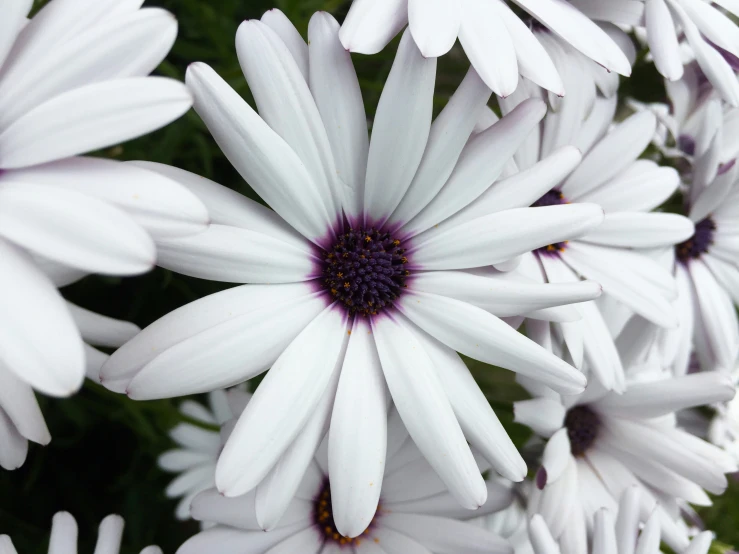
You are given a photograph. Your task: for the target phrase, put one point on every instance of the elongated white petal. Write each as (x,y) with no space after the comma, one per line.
(12,456)
(541,538)
(400,131)
(63,533)
(19,405)
(101,330)
(482,336)
(283,27)
(74,229)
(92,117)
(225,540)
(358,437)
(662,39)
(501,236)
(12,17)
(641,230)
(424,406)
(434,25)
(282,404)
(260,155)
(480,164)
(335,87)
(371,24)
(701,544)
(215,317)
(45,352)
(157,203)
(543,415)
(285,103)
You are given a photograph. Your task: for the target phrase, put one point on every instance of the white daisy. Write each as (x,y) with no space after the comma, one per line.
(64,537)
(355,287)
(416,513)
(614,254)
(198,446)
(599,443)
(615,536)
(72,80)
(498,43)
(708,30)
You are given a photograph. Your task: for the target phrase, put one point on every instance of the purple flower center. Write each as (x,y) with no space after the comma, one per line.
(582,425)
(552,198)
(686,143)
(323,517)
(365,270)
(699,243)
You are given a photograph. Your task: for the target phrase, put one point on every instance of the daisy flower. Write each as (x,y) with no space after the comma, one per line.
(612,536)
(615,253)
(198,447)
(73,79)
(416,513)
(600,442)
(64,537)
(498,43)
(357,295)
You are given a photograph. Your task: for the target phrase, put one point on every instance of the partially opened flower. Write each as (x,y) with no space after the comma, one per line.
(416,513)
(600,443)
(73,80)
(498,43)
(355,289)
(614,254)
(64,537)
(615,534)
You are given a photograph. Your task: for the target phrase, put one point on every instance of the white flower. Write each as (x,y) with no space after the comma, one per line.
(73,79)
(611,536)
(600,443)
(198,447)
(613,254)
(64,537)
(416,513)
(499,44)
(336,332)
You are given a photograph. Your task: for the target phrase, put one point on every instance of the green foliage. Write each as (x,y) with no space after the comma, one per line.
(103,455)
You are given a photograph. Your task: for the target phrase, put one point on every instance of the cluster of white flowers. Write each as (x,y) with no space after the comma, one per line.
(544,238)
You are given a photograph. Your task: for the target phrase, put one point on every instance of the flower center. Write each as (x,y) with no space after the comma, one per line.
(365,270)
(324,519)
(552,198)
(582,425)
(699,243)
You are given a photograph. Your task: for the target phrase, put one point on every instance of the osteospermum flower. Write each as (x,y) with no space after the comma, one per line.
(72,80)
(198,447)
(353,287)
(416,513)
(601,442)
(498,43)
(615,536)
(64,537)
(614,254)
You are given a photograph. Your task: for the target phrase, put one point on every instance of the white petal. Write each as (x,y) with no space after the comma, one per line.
(480,335)
(480,164)
(434,25)
(175,461)
(450,133)
(556,458)
(19,405)
(260,155)
(235,255)
(662,39)
(285,103)
(43,350)
(641,230)
(13,17)
(101,330)
(424,406)
(358,437)
(282,404)
(335,87)
(74,229)
(714,196)
(283,27)
(701,544)
(393,542)
(225,540)
(541,537)
(63,533)
(92,117)
(714,25)
(308,541)
(12,455)
(132,45)
(574,27)
(503,296)
(501,236)
(371,24)
(613,153)
(249,316)
(400,131)
(544,415)
(482,32)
